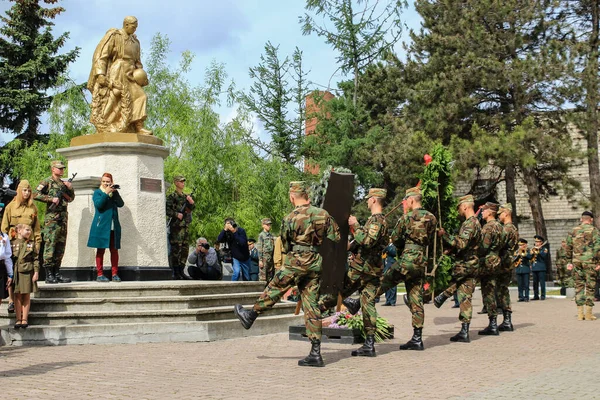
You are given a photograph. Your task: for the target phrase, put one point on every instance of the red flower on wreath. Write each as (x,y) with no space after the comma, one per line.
(426,286)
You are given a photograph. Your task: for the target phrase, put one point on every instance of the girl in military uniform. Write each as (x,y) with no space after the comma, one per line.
(26,270)
(21,210)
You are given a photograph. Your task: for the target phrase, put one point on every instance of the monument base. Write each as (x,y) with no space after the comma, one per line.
(137,165)
(86,274)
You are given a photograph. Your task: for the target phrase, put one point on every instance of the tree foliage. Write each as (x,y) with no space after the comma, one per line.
(30,65)
(360,31)
(279,90)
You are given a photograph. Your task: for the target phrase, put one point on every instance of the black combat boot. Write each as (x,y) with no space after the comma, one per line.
(439,300)
(246,317)
(353,305)
(183,275)
(483,310)
(491,329)
(367,349)
(463,335)
(506,325)
(59,277)
(416,342)
(50,275)
(313,359)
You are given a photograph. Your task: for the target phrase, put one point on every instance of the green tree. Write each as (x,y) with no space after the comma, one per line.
(279,89)
(581,22)
(493,65)
(30,65)
(360,31)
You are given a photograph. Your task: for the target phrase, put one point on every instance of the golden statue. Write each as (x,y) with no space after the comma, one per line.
(116,81)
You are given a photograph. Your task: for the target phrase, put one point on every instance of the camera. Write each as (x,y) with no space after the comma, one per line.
(205,245)
(116,187)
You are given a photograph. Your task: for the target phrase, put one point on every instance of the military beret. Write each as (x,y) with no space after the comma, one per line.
(300,187)
(506,207)
(179,178)
(415,191)
(377,192)
(57,164)
(251,240)
(265,221)
(523,241)
(587,214)
(466,199)
(490,206)
(538,237)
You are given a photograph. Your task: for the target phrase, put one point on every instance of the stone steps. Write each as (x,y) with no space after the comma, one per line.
(55,304)
(131,312)
(144,289)
(144,332)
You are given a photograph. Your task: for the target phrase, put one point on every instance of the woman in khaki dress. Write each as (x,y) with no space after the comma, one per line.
(21,210)
(26,270)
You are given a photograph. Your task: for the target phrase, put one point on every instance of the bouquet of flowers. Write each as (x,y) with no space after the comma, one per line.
(342,320)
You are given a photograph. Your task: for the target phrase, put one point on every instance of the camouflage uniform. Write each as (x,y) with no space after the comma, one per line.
(490,263)
(266,246)
(302,232)
(178,236)
(510,241)
(54,231)
(583,251)
(365,270)
(565,276)
(466,248)
(416,227)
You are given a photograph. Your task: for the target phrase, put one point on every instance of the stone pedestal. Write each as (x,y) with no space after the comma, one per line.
(137,165)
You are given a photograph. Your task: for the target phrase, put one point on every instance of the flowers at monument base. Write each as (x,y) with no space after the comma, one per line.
(344,320)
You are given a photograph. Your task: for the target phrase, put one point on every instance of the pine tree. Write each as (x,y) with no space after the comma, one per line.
(492,65)
(29,65)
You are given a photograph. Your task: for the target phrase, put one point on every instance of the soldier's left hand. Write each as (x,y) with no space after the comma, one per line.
(597,268)
(189,199)
(68,184)
(570,267)
(352,220)
(441,232)
(35,276)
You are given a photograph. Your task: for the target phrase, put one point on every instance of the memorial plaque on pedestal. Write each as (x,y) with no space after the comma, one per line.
(150,185)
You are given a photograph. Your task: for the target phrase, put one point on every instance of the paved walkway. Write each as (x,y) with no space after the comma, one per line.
(551,355)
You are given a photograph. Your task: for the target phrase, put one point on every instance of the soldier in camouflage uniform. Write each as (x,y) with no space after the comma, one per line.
(302,233)
(565,276)
(510,244)
(178,226)
(465,246)
(415,228)
(54,231)
(365,269)
(265,246)
(490,263)
(583,256)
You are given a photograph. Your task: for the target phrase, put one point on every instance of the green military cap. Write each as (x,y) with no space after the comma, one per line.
(466,199)
(179,178)
(57,164)
(415,191)
(265,221)
(506,207)
(300,187)
(377,192)
(490,206)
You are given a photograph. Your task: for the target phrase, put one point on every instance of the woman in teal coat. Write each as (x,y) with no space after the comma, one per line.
(105,231)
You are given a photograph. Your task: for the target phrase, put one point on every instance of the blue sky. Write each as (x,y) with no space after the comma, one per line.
(233,32)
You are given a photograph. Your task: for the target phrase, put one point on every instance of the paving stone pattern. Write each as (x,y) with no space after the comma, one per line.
(550,355)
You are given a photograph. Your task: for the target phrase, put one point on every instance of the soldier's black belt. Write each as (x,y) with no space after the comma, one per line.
(413,246)
(301,248)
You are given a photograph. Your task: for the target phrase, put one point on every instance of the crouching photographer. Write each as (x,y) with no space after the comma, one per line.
(205,262)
